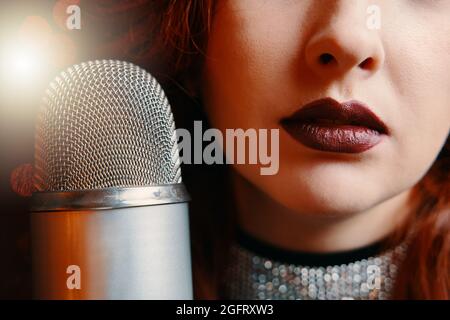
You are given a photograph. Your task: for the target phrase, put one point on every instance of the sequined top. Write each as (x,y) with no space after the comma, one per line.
(260,271)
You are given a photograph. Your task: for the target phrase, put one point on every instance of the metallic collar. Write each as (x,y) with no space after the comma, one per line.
(254,275)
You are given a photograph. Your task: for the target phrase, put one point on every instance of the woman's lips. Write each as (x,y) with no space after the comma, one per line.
(328,125)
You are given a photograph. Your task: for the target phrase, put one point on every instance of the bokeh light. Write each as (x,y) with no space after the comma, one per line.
(25,55)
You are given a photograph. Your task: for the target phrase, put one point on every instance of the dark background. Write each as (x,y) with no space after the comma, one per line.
(17,115)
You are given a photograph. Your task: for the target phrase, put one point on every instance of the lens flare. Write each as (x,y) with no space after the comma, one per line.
(25,54)
(22,63)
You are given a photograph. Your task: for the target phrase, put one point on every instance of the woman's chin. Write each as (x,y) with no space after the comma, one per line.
(326,197)
(327,204)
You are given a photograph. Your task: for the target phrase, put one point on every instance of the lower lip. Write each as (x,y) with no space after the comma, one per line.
(334,137)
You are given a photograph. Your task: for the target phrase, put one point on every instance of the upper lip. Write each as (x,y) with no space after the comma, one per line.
(352,113)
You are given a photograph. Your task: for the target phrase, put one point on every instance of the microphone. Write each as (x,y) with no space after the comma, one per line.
(109,219)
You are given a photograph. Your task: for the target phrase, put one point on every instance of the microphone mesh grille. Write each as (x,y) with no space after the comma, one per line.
(105,124)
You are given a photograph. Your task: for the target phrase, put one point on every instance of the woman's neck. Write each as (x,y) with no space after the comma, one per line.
(265,219)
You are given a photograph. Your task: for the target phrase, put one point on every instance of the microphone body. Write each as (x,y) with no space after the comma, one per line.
(131,252)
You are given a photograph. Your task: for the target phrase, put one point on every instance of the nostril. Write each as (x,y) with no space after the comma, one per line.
(326,58)
(367,64)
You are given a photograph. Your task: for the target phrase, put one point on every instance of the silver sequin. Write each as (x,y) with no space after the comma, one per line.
(251,276)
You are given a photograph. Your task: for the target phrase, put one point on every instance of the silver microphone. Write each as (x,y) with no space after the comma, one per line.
(110,218)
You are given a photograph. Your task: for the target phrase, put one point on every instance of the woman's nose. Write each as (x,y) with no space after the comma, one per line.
(343,46)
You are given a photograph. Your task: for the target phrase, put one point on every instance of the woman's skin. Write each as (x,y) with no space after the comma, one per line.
(263,64)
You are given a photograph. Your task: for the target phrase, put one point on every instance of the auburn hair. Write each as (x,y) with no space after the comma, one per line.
(168,37)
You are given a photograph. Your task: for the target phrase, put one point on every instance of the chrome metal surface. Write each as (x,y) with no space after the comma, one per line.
(110,198)
(129,253)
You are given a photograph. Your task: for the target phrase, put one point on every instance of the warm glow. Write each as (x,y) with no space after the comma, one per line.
(22,63)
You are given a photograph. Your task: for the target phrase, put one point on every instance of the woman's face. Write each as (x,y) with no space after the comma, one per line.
(268,58)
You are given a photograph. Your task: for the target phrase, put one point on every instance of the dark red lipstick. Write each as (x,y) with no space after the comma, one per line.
(327,125)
